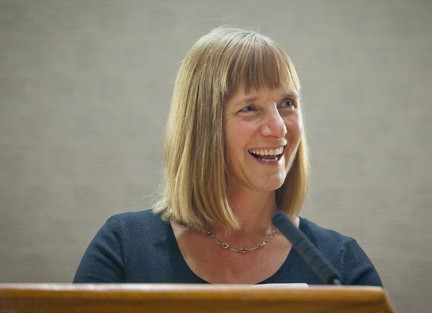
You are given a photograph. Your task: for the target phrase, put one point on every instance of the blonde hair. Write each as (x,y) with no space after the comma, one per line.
(195,188)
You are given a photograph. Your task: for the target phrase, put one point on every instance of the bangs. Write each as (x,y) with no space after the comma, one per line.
(258,63)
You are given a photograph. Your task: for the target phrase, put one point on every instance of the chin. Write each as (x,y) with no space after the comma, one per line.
(273,185)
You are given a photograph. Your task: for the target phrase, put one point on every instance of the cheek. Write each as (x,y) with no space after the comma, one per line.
(235,140)
(294,126)
(239,133)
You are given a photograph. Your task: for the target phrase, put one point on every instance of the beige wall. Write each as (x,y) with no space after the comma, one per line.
(84,94)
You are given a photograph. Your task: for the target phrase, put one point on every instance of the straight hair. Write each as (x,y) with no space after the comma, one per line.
(195,186)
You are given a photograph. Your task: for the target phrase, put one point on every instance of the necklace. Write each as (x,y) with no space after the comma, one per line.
(226,246)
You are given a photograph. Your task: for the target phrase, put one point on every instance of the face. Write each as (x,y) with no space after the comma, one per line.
(262,132)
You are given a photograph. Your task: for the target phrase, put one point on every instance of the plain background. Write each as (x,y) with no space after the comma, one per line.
(85,88)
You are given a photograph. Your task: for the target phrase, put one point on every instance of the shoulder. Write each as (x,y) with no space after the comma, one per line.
(140,226)
(344,253)
(137,219)
(129,247)
(332,244)
(323,237)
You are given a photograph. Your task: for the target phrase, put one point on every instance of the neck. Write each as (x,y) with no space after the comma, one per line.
(254,210)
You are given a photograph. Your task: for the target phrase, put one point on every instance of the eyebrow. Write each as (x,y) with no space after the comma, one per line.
(290,93)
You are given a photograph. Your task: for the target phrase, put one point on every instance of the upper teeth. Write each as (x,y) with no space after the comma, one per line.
(276,151)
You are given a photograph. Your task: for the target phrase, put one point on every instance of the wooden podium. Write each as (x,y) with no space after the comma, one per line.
(155,298)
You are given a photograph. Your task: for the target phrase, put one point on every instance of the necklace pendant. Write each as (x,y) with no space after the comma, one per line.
(224,245)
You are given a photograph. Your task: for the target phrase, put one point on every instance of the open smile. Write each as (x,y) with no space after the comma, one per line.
(267,155)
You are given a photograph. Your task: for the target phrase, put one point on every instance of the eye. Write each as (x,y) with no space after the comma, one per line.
(288,104)
(248,108)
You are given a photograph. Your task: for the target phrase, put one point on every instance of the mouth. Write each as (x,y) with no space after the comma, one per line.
(267,155)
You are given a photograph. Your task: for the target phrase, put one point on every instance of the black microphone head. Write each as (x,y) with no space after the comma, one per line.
(285,226)
(279,218)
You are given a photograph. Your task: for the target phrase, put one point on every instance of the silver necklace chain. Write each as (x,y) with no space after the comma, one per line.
(226,246)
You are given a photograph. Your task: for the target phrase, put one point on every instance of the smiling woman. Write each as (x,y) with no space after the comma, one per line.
(227,69)
(235,154)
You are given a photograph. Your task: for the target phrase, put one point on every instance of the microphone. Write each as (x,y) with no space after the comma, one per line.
(306,249)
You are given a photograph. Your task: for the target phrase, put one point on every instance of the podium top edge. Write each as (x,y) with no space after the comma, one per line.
(178,287)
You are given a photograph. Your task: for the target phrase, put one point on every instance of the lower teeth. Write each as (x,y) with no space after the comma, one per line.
(267,158)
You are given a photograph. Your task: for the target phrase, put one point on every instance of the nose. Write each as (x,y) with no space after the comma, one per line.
(273,124)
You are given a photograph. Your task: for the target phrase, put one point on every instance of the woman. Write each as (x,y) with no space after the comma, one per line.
(235,153)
